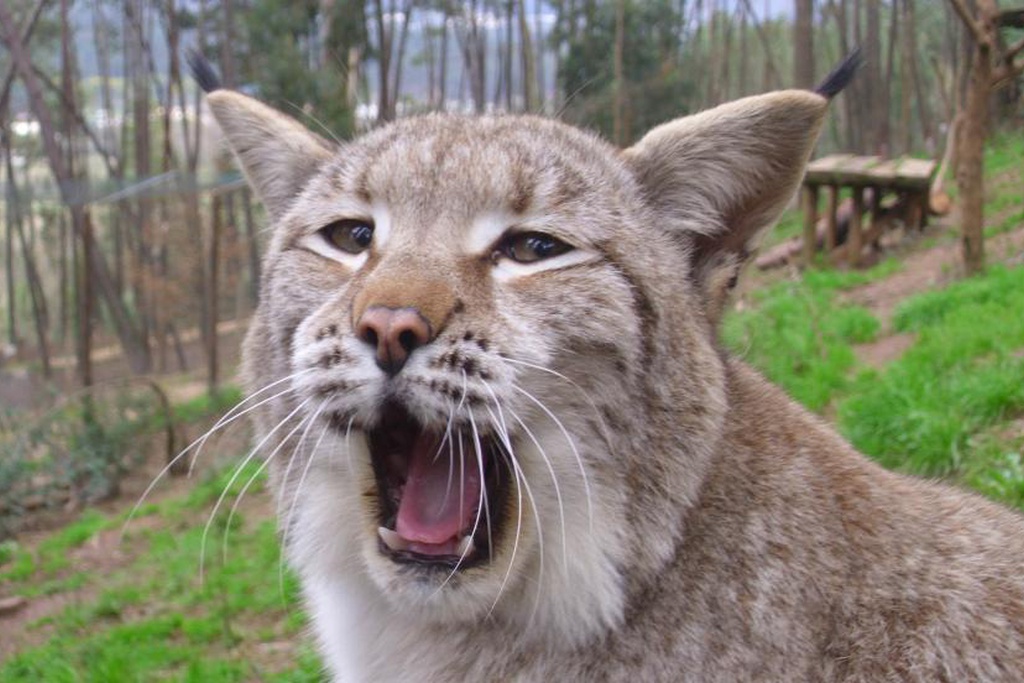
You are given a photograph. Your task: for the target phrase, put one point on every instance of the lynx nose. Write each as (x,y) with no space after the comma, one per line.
(395,333)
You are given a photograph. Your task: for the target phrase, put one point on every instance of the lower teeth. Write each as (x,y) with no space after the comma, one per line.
(394,541)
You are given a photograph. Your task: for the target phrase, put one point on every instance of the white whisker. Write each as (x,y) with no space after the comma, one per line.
(521,476)
(446,439)
(224,421)
(288,521)
(554,481)
(297,451)
(519,522)
(231,481)
(304,422)
(605,431)
(298,486)
(572,446)
(480,509)
(229,418)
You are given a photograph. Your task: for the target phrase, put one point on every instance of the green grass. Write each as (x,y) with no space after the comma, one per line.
(1003,152)
(964,373)
(205,405)
(155,618)
(932,411)
(801,337)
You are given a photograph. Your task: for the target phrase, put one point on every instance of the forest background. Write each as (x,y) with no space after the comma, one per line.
(130,255)
(125,224)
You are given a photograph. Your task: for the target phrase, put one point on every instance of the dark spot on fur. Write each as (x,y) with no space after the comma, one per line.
(468,336)
(485,376)
(522,192)
(469,366)
(362,186)
(459,306)
(288,334)
(327,331)
(328,390)
(612,418)
(483,344)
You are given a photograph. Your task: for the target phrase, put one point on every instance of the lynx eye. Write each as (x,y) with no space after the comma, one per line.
(529,247)
(351,235)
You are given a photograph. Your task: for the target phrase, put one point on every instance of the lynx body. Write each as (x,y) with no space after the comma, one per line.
(512,448)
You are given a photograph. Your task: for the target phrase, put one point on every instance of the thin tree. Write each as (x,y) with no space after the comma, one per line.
(991,66)
(136,352)
(803,45)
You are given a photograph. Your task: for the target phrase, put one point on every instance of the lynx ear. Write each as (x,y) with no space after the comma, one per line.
(277,153)
(719,177)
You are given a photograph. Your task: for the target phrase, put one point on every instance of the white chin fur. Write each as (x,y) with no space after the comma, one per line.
(361,600)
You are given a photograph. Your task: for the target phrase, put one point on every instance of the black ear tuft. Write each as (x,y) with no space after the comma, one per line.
(841,75)
(202,71)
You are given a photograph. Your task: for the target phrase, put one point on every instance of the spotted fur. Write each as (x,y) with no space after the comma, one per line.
(685,519)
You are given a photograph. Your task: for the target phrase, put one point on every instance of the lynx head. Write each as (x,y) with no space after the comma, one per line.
(497,381)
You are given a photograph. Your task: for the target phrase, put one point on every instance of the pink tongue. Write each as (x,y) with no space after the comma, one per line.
(438,501)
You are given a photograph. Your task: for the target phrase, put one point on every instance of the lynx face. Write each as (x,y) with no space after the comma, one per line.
(458,298)
(494,336)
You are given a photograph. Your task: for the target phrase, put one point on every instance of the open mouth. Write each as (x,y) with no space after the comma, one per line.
(441,491)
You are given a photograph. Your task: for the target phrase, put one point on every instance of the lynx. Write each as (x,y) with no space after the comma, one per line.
(507,444)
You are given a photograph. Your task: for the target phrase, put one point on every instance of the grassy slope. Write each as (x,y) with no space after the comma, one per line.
(950,406)
(948,400)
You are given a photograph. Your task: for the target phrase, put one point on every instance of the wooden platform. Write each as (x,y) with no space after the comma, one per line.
(909,179)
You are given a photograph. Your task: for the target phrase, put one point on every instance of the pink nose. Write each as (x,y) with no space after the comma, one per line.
(395,333)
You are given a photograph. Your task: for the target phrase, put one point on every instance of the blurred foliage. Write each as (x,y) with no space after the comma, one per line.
(78,452)
(655,89)
(278,51)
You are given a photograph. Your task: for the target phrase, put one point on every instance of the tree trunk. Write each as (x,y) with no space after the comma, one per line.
(253,248)
(803,45)
(143,164)
(877,119)
(384,35)
(83,287)
(618,130)
(538,60)
(507,59)
(212,360)
(528,72)
(229,72)
(970,178)
(443,68)
(137,354)
(771,73)
(399,59)
(12,299)
(924,112)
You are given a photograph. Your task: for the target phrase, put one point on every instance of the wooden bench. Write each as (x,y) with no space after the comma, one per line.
(909,179)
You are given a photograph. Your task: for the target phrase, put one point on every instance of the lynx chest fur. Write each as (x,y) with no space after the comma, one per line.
(507,445)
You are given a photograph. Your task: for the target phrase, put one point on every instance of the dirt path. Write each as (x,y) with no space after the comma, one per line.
(923,270)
